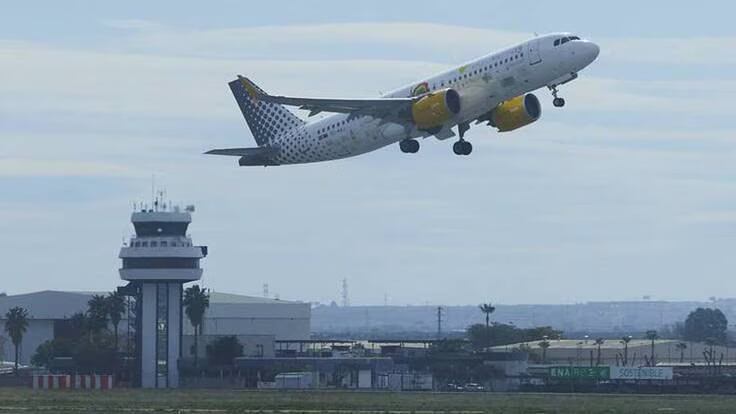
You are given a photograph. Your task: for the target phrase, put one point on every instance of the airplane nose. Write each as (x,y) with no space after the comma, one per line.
(593,51)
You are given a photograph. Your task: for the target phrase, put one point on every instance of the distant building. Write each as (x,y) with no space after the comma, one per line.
(582,352)
(254,320)
(627,317)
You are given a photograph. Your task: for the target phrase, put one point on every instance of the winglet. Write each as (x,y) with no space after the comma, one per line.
(250,87)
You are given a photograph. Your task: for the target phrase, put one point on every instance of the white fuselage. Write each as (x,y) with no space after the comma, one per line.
(482,85)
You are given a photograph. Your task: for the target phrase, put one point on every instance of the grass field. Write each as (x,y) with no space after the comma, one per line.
(237,401)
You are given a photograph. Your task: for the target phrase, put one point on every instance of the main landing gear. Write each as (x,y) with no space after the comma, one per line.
(557,102)
(462,147)
(409,146)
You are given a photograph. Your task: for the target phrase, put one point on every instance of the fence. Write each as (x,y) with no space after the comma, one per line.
(80,382)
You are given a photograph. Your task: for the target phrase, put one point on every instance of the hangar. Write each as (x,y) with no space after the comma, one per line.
(247,317)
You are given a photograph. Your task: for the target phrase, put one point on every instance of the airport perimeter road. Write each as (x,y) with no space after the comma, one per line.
(238,401)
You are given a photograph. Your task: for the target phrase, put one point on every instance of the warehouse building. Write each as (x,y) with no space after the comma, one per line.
(257,322)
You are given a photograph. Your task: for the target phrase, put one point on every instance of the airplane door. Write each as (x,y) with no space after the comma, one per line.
(534,55)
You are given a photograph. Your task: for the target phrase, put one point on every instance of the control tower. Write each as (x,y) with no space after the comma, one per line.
(157,261)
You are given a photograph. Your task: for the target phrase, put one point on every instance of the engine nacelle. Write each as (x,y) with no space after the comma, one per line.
(433,110)
(516,113)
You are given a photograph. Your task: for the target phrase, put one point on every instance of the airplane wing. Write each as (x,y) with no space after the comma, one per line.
(397,108)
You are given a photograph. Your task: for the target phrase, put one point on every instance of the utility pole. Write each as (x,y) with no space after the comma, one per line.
(439,321)
(265,290)
(345,297)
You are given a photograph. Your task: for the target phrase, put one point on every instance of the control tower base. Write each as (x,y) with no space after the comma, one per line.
(159,333)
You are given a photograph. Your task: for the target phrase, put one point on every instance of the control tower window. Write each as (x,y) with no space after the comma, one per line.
(161,228)
(160,263)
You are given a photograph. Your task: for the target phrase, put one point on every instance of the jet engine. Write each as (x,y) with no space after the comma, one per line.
(431,111)
(515,113)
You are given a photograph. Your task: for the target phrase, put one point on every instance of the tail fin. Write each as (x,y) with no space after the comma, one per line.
(265,120)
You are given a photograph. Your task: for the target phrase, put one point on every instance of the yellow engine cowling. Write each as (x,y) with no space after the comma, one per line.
(433,110)
(516,113)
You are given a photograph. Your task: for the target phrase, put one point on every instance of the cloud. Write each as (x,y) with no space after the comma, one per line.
(440,42)
(133,24)
(25,167)
(600,188)
(691,50)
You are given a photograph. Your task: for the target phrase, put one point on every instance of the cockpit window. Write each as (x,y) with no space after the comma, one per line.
(564,40)
(557,42)
(574,38)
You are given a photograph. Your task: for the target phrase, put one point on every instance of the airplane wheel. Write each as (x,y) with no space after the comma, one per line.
(558,102)
(413,146)
(409,146)
(467,148)
(457,148)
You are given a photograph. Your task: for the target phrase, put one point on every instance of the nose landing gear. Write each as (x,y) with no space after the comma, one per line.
(557,102)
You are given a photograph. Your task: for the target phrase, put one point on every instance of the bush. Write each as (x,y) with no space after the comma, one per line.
(223,350)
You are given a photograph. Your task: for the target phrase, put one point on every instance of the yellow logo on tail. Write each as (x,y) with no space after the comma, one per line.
(249,87)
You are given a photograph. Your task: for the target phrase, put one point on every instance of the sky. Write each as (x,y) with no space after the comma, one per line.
(630,190)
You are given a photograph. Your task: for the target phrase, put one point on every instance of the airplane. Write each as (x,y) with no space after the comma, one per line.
(494,89)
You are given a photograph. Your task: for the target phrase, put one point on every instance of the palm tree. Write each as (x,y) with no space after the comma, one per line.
(16,324)
(681,346)
(116,309)
(625,340)
(196,302)
(97,311)
(544,345)
(488,309)
(652,336)
(599,342)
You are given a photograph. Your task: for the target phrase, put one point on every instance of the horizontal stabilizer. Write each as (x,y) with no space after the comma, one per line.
(245,152)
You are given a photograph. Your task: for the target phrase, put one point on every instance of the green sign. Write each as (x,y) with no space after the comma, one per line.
(594,373)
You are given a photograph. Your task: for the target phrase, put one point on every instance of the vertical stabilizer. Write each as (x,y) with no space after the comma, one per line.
(265,120)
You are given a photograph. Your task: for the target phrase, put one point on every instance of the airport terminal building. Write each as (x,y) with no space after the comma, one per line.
(252,319)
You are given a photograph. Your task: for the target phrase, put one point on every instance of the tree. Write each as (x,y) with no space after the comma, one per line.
(487,309)
(681,346)
(97,312)
(544,345)
(79,324)
(705,323)
(599,342)
(652,336)
(115,309)
(223,350)
(625,341)
(481,336)
(196,301)
(47,351)
(16,324)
